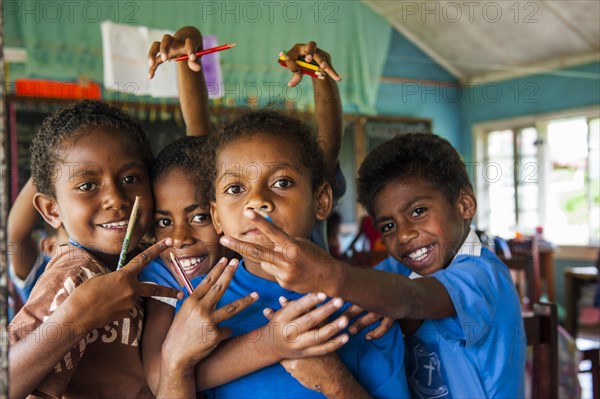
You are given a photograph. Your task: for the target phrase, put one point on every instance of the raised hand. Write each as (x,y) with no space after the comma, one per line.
(186,41)
(310,52)
(195,332)
(112,295)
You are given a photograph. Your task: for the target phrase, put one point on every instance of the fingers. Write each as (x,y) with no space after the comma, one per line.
(190,49)
(309,51)
(150,289)
(353,311)
(269,229)
(210,279)
(381,329)
(165,45)
(301,306)
(314,318)
(254,252)
(233,308)
(153,59)
(142,260)
(217,290)
(322,58)
(364,321)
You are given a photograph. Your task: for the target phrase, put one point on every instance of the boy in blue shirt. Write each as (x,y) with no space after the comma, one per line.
(417,190)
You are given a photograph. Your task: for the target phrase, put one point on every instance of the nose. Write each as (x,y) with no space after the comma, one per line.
(260,201)
(406,233)
(115,198)
(181,235)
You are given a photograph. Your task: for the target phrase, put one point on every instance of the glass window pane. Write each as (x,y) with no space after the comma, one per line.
(594,180)
(567,203)
(500,144)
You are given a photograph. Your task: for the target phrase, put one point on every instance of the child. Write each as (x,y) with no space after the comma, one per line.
(417,190)
(78,336)
(269,163)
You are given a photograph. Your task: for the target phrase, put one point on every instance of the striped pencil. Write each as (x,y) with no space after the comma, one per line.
(130,226)
(179,269)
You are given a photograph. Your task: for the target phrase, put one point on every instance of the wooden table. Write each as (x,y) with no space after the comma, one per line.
(575,278)
(546,251)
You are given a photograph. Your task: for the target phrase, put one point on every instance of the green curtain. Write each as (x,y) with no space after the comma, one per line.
(63,40)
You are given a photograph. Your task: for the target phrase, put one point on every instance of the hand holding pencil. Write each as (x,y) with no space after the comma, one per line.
(311,54)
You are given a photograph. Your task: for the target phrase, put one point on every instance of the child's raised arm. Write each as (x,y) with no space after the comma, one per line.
(23,251)
(328,106)
(96,302)
(193,95)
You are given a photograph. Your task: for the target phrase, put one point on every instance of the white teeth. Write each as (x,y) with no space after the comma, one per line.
(122,223)
(419,254)
(189,263)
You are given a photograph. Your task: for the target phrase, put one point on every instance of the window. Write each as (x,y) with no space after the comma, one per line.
(544,171)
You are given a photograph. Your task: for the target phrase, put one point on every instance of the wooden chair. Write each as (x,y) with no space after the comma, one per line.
(541,330)
(525,264)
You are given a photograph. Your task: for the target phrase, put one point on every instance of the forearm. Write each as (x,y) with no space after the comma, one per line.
(390,294)
(33,357)
(193,94)
(235,358)
(176,381)
(329,117)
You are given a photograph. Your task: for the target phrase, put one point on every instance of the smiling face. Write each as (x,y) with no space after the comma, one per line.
(178,215)
(264,173)
(96,183)
(419,226)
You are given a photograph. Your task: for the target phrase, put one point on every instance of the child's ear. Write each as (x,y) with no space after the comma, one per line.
(467,204)
(48,208)
(324,198)
(214,215)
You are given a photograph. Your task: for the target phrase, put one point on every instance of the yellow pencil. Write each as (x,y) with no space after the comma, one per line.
(302,64)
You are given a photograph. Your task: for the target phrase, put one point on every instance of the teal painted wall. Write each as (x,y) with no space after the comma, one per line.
(530,95)
(439,103)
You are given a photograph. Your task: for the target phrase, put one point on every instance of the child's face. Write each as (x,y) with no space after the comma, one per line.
(99,175)
(178,214)
(419,226)
(264,173)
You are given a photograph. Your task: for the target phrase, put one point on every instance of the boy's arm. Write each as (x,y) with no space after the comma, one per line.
(313,269)
(193,95)
(23,251)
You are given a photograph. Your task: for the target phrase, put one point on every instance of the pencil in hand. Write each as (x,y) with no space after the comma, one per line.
(207,51)
(130,226)
(179,269)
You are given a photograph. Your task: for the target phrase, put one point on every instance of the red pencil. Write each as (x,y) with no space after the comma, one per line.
(207,51)
(179,269)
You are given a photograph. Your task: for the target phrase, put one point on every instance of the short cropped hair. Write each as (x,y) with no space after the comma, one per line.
(423,156)
(70,122)
(269,122)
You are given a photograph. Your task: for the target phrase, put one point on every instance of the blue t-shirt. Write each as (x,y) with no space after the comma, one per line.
(479,352)
(376,364)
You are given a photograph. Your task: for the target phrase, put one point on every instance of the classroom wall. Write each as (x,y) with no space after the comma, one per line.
(434,100)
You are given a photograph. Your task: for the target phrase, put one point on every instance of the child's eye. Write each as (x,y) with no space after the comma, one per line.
(130,179)
(283,183)
(164,222)
(386,227)
(201,218)
(234,189)
(418,212)
(86,186)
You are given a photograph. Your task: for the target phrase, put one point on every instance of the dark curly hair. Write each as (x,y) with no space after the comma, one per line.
(270,122)
(422,156)
(189,153)
(72,121)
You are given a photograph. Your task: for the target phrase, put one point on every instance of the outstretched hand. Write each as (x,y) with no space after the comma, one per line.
(310,52)
(195,332)
(113,295)
(296,263)
(186,41)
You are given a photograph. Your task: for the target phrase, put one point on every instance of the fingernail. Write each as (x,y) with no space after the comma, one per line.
(233,262)
(338,302)
(343,322)
(225,240)
(180,295)
(352,330)
(321,296)
(249,213)
(168,242)
(223,260)
(344,338)
(163,57)
(368,338)
(254,295)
